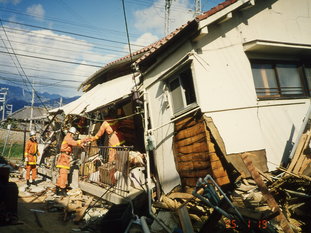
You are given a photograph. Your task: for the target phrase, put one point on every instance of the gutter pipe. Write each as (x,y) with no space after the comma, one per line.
(148,166)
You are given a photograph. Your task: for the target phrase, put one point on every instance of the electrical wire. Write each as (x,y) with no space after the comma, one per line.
(50,71)
(20,66)
(69,33)
(49,59)
(43,84)
(52,55)
(85,26)
(57,38)
(49,78)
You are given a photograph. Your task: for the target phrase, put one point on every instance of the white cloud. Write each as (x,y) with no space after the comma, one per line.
(36,11)
(48,44)
(153,18)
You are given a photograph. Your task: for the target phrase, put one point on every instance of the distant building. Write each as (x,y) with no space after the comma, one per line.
(39,117)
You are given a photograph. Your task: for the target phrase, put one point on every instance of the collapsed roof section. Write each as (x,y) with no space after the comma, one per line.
(99,96)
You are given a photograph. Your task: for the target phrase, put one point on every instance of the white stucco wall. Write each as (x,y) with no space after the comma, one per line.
(225,85)
(225,89)
(160,117)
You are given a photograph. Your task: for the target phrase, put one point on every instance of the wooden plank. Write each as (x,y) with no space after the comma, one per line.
(189,132)
(187,121)
(195,148)
(215,133)
(189,181)
(281,219)
(204,156)
(193,165)
(185,220)
(188,141)
(258,158)
(194,173)
(302,156)
(80,213)
(297,152)
(305,164)
(179,195)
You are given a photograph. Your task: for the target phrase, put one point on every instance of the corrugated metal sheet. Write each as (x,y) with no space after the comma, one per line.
(99,96)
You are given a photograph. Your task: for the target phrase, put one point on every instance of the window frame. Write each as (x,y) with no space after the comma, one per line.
(171,78)
(300,66)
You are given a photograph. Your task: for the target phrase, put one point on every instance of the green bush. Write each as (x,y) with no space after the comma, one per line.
(13,151)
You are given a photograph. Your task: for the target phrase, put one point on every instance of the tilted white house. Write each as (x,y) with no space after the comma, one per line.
(239,75)
(244,64)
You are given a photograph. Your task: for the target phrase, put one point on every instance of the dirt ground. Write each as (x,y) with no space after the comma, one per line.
(33,216)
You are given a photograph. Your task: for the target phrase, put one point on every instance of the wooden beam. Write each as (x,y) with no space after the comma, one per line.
(281,219)
(185,220)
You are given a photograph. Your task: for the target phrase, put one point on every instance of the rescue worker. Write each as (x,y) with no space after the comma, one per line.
(31,153)
(114,139)
(63,161)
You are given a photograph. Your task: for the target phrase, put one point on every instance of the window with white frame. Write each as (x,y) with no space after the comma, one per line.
(275,79)
(181,89)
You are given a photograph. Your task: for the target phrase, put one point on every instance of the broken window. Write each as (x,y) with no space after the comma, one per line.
(181,89)
(280,80)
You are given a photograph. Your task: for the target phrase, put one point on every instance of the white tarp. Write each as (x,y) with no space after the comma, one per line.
(99,96)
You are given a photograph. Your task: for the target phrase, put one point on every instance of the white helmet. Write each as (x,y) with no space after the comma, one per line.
(32,133)
(72,130)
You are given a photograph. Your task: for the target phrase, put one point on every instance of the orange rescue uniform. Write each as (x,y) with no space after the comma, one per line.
(63,161)
(115,139)
(31,152)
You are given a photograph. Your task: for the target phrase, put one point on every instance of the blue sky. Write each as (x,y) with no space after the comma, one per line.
(57,44)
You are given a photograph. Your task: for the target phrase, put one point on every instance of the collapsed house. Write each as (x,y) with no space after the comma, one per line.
(218,87)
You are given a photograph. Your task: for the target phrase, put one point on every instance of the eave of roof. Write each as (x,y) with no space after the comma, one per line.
(169,39)
(158,46)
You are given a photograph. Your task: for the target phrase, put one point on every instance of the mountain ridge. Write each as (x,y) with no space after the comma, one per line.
(19,98)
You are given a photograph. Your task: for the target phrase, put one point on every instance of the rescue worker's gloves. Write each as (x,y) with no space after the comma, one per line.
(94,138)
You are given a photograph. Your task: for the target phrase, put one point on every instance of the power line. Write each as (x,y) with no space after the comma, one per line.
(50,59)
(20,65)
(50,71)
(34,76)
(86,26)
(70,33)
(27,51)
(56,38)
(56,84)
(62,49)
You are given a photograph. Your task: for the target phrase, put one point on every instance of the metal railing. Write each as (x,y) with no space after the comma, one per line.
(105,166)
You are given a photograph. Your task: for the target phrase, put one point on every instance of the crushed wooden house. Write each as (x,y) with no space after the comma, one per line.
(234,80)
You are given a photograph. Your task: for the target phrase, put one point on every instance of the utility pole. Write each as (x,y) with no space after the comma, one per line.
(3,94)
(31,108)
(61,101)
(168,4)
(197,7)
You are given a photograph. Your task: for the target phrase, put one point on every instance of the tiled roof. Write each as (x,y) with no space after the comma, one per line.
(164,40)
(153,47)
(150,49)
(215,9)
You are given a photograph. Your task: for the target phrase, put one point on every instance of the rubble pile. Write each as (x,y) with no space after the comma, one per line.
(291,193)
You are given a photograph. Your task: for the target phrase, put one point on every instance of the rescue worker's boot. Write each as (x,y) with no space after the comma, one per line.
(28,183)
(57,191)
(63,192)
